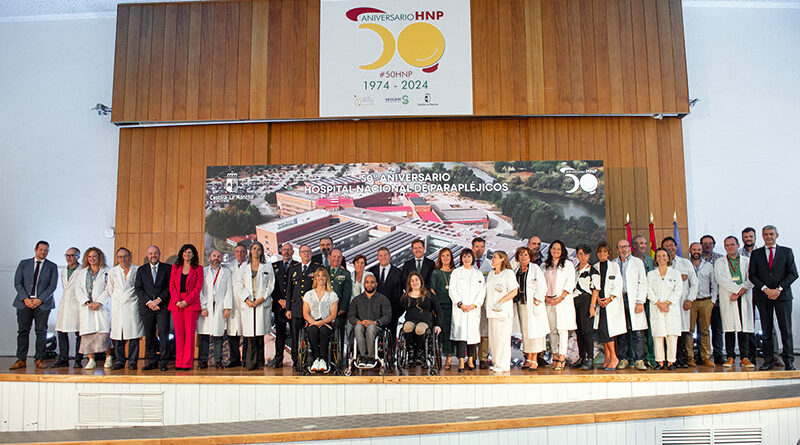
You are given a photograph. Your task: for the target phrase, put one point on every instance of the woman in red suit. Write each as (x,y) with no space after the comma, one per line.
(185,284)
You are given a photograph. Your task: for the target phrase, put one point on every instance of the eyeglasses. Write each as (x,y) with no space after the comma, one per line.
(68,255)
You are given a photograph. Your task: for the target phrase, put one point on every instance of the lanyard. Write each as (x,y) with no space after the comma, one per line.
(216,276)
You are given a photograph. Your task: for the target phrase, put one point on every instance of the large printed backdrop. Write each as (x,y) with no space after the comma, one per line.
(366,206)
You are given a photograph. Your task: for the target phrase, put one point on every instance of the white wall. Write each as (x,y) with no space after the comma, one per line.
(742,140)
(59,158)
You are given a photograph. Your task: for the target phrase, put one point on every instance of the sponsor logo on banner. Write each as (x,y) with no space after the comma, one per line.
(399,54)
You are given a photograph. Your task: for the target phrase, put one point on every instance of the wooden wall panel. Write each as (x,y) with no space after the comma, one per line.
(259,59)
(160,196)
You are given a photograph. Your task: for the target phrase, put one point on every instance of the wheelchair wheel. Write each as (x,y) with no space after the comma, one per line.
(335,353)
(437,354)
(402,353)
(303,352)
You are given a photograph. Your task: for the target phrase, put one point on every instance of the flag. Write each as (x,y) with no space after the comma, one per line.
(677,235)
(652,238)
(628,232)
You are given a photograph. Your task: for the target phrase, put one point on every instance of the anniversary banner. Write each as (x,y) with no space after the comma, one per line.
(389,58)
(368,205)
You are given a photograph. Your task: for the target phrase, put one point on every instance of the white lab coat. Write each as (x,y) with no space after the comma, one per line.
(688,290)
(258,320)
(216,296)
(467,287)
(67,317)
(665,289)
(635,277)
(564,311)
(729,310)
(535,291)
(126,323)
(235,322)
(92,321)
(615,311)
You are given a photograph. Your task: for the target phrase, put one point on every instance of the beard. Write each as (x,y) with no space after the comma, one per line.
(369,289)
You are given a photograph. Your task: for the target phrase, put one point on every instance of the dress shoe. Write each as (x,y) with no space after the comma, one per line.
(149,366)
(788,367)
(78,364)
(767,366)
(623,364)
(234,364)
(730,363)
(746,363)
(117,366)
(708,362)
(460,370)
(132,366)
(19,364)
(671,367)
(164,368)
(682,365)
(218,365)
(658,367)
(203,365)
(587,364)
(690,363)
(278,364)
(40,364)
(719,360)
(60,364)
(639,365)
(484,364)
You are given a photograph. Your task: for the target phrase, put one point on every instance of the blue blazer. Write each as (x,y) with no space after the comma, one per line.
(45,287)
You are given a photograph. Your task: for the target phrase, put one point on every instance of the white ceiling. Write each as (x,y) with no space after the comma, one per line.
(25,8)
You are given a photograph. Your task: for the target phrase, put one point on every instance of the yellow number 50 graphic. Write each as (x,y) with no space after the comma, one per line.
(419,44)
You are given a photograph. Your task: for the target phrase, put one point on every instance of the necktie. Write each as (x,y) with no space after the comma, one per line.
(304,269)
(325,261)
(479,263)
(383,274)
(285,266)
(39,264)
(419,265)
(154,272)
(771,258)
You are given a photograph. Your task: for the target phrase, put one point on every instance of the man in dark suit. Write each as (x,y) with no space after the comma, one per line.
(35,281)
(279,303)
(772,272)
(389,285)
(301,280)
(419,264)
(325,248)
(152,289)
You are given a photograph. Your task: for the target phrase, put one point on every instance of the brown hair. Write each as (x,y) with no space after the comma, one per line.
(422,289)
(100,254)
(504,256)
(439,263)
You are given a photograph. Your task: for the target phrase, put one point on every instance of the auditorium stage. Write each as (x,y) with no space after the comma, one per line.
(270,375)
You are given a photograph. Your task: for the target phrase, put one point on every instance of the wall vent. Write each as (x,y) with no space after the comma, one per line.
(120,409)
(712,436)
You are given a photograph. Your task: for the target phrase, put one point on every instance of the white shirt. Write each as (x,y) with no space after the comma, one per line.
(320,308)
(623,265)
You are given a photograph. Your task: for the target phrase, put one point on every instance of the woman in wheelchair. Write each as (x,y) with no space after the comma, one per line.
(422,312)
(320,307)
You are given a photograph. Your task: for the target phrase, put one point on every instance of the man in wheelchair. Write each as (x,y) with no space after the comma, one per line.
(369,313)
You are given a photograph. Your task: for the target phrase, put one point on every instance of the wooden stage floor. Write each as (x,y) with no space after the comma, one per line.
(269,375)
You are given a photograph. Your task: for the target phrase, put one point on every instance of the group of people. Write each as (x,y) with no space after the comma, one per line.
(643,310)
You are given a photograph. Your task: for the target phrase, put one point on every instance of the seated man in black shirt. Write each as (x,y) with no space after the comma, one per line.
(368,312)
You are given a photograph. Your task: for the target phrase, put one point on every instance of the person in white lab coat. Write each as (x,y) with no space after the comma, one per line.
(255,286)
(530,307)
(126,323)
(92,299)
(467,292)
(735,302)
(664,292)
(607,306)
(688,294)
(235,322)
(67,317)
(559,274)
(216,303)
(484,265)
(634,294)
(501,288)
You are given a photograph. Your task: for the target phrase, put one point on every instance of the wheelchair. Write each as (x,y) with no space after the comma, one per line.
(432,353)
(333,359)
(383,354)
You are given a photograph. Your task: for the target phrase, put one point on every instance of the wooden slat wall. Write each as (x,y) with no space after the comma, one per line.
(160,197)
(235,60)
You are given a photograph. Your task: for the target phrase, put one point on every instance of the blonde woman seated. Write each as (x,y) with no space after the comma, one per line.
(664,292)
(320,307)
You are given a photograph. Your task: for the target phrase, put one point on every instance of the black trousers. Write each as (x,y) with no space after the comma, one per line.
(319,337)
(585,331)
(463,350)
(717,335)
(25,319)
(744,340)
(133,351)
(254,359)
(282,327)
(156,346)
(680,356)
(297,324)
(631,343)
(783,312)
(63,347)
(203,347)
(233,346)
